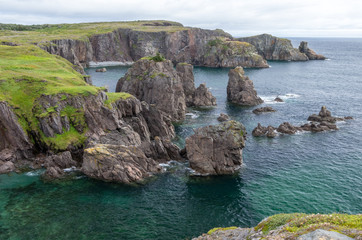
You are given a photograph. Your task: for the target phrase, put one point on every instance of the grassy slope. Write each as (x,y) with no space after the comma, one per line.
(80,31)
(27,72)
(300,223)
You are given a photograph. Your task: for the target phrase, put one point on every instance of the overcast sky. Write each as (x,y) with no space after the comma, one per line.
(303,18)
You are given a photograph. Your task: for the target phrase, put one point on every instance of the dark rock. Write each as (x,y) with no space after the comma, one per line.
(61,160)
(203,97)
(216,150)
(273,48)
(223,117)
(53,173)
(240,89)
(6,167)
(348,118)
(278,99)
(287,128)
(263,110)
(259,131)
(118,163)
(324,116)
(271,132)
(303,48)
(101,70)
(156,83)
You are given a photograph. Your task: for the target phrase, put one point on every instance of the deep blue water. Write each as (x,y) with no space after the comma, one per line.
(307,172)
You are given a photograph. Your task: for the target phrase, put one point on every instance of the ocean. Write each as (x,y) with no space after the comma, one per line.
(306,172)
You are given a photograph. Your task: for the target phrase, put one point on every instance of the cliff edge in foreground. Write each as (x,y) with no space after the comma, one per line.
(294,226)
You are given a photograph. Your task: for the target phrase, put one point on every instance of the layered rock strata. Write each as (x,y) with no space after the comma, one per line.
(240,89)
(216,150)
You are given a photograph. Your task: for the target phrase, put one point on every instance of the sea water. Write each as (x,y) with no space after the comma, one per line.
(307,172)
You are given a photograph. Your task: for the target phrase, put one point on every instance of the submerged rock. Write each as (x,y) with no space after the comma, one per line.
(216,150)
(303,48)
(223,117)
(118,163)
(240,89)
(101,70)
(278,99)
(263,110)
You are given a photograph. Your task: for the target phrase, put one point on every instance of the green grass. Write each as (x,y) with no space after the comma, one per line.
(300,223)
(27,73)
(62,141)
(220,229)
(113,97)
(82,31)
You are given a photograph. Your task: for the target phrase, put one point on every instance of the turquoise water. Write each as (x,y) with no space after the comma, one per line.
(308,172)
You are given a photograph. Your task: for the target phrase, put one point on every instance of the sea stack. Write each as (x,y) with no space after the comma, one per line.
(217,150)
(240,89)
(303,48)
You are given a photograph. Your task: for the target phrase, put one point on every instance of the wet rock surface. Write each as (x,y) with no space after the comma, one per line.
(240,89)
(216,150)
(263,110)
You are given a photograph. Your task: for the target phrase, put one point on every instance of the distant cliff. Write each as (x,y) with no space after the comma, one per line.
(280,49)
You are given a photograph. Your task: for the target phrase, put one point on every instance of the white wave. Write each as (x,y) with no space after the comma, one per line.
(109,64)
(289,95)
(34,173)
(270,100)
(71,169)
(192,115)
(327,59)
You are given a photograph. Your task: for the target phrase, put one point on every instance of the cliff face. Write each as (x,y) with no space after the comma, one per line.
(273,48)
(126,45)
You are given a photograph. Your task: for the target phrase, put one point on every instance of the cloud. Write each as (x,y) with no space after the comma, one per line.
(239,17)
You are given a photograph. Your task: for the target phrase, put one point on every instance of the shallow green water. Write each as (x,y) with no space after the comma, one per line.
(312,173)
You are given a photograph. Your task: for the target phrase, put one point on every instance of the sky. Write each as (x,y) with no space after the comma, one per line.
(284,18)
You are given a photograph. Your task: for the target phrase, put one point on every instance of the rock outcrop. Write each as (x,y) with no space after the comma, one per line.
(274,48)
(263,110)
(281,49)
(240,89)
(303,48)
(324,121)
(118,163)
(194,97)
(157,82)
(216,150)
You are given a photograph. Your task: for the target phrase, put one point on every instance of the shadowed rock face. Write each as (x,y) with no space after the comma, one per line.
(14,142)
(240,89)
(216,150)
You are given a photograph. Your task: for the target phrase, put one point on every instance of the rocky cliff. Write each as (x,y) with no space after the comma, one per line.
(195,46)
(280,49)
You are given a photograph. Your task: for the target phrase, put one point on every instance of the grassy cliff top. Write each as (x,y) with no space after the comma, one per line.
(21,34)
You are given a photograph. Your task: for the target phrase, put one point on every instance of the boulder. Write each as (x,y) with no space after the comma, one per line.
(203,97)
(118,163)
(240,89)
(287,128)
(263,110)
(264,131)
(303,48)
(156,82)
(216,150)
(101,70)
(52,173)
(278,99)
(223,117)
(6,167)
(61,160)
(271,132)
